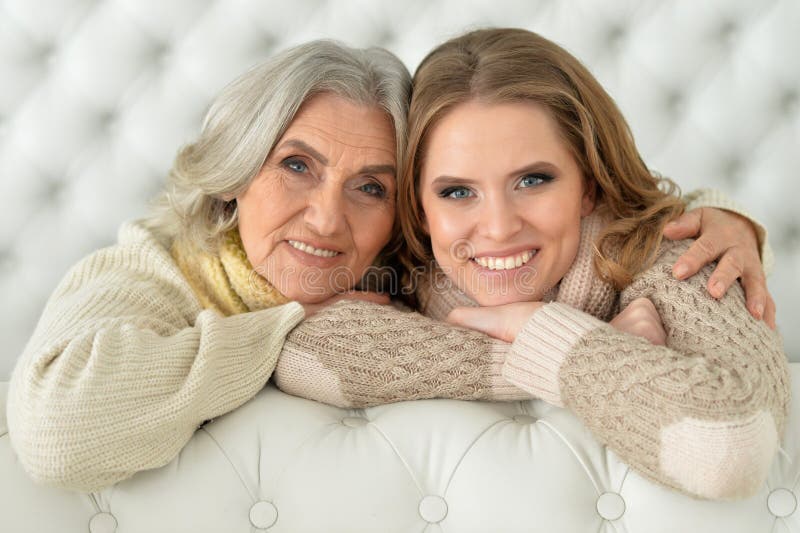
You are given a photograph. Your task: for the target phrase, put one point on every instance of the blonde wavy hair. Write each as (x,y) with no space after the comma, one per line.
(507,65)
(251,114)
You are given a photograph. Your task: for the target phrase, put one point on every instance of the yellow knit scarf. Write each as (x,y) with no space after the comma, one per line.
(225,282)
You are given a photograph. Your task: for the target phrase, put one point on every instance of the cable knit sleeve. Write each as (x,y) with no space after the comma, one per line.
(704,414)
(124,366)
(357,354)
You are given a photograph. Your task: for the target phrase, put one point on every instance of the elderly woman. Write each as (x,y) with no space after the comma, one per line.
(145,340)
(274,212)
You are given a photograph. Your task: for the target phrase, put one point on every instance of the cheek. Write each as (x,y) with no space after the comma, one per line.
(446,228)
(372,230)
(263,210)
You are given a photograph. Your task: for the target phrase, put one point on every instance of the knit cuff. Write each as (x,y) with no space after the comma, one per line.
(243,350)
(537,353)
(500,388)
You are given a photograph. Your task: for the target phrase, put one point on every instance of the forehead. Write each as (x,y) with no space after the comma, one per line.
(492,137)
(328,118)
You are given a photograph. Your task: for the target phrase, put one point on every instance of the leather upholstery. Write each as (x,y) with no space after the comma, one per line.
(285,464)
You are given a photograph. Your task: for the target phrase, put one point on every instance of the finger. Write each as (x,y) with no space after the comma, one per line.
(477,319)
(769,313)
(755,291)
(685,226)
(729,269)
(700,253)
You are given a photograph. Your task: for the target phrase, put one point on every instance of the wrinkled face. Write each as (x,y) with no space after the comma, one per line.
(323,205)
(503,199)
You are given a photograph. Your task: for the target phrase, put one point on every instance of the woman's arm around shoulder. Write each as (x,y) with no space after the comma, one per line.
(704,414)
(124,365)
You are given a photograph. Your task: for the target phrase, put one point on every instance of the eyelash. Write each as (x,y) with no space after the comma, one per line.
(543,178)
(381,189)
(449,191)
(290,162)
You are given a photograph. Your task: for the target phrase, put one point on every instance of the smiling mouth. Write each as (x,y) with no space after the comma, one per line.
(307,248)
(505,263)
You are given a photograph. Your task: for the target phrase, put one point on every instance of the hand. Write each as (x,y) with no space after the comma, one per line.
(731,238)
(364,296)
(642,319)
(502,322)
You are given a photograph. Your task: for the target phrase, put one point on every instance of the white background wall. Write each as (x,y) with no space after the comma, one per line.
(96,97)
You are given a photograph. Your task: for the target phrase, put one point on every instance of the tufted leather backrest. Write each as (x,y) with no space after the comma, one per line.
(288,465)
(96,97)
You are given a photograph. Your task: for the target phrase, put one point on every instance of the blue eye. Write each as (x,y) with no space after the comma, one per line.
(531,180)
(373,189)
(456,193)
(295,165)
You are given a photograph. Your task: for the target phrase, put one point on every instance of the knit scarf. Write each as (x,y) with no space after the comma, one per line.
(225,282)
(580,287)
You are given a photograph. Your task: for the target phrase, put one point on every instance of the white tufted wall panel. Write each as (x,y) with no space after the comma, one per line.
(96,97)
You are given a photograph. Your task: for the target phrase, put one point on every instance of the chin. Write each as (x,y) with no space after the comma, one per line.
(489,300)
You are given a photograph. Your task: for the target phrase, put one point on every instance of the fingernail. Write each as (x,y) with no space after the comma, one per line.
(680,270)
(717,288)
(759,310)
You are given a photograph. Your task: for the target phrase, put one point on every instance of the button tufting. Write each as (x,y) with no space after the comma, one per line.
(610,505)
(789,102)
(263,514)
(615,35)
(103,523)
(781,502)
(673,102)
(524,419)
(728,31)
(433,509)
(354,421)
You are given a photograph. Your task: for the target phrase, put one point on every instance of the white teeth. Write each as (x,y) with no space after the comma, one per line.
(505,263)
(311,250)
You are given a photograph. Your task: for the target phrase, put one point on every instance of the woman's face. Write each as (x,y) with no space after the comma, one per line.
(503,198)
(323,205)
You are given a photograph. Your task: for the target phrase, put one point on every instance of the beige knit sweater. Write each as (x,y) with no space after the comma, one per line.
(125,364)
(703,415)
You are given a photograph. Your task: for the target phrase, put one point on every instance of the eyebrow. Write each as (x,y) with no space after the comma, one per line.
(368,169)
(538,166)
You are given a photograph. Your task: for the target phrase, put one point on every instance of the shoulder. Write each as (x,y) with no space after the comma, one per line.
(657,282)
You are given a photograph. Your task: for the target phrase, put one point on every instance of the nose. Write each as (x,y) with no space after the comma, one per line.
(324,213)
(499,219)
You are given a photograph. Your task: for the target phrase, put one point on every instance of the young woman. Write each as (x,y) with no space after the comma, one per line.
(525,188)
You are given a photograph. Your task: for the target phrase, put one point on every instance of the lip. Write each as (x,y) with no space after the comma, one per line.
(313,260)
(313,244)
(507,252)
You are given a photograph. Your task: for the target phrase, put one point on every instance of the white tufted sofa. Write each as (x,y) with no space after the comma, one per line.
(95,98)
(286,464)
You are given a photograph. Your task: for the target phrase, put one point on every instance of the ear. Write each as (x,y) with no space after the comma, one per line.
(588,199)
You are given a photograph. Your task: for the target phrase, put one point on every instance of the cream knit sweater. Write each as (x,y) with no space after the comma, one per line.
(703,415)
(125,364)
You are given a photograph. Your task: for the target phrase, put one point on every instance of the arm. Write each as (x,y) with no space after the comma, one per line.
(357,354)
(703,414)
(123,367)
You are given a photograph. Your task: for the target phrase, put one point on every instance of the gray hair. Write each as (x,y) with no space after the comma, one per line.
(251,114)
